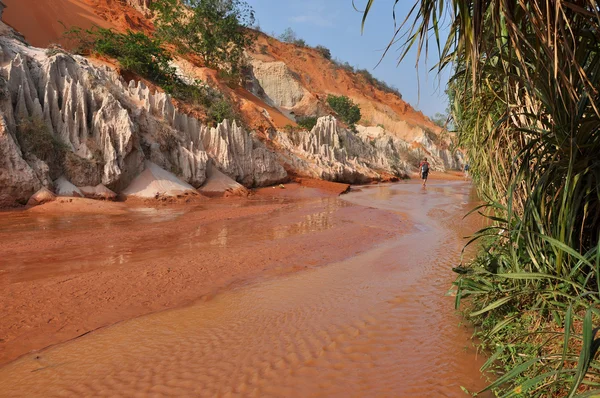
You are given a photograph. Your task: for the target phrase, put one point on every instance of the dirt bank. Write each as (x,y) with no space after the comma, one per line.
(67,269)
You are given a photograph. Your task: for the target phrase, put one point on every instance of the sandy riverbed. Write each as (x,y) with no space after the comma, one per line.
(71,267)
(367,316)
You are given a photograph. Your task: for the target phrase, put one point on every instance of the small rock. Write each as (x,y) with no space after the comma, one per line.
(98,192)
(42,196)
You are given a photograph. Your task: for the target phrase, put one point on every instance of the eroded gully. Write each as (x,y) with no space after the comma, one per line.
(377,324)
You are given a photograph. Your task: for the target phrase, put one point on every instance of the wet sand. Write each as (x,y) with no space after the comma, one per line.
(369,317)
(65,270)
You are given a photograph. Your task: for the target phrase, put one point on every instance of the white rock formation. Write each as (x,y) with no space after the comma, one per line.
(155,182)
(141,5)
(219,184)
(333,153)
(44,195)
(442,158)
(110,128)
(63,187)
(280,87)
(18,181)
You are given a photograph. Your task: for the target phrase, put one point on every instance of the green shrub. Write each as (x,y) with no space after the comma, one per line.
(347,110)
(146,57)
(300,42)
(380,84)
(288,36)
(324,51)
(213,29)
(36,139)
(220,110)
(307,122)
(135,52)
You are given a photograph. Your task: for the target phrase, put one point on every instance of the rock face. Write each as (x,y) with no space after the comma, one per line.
(141,5)
(442,158)
(18,181)
(44,195)
(98,192)
(63,116)
(277,82)
(333,153)
(108,128)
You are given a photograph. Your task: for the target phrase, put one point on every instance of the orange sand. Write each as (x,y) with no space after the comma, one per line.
(43,25)
(80,272)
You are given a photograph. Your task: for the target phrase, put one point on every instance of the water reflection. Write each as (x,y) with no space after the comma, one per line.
(116,247)
(377,324)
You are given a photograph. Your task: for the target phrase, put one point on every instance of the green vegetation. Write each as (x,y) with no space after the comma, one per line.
(289,36)
(524,100)
(213,29)
(380,84)
(135,52)
(440,119)
(324,51)
(307,122)
(36,139)
(347,110)
(147,57)
(219,111)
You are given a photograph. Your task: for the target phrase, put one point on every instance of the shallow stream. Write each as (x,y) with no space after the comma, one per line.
(377,324)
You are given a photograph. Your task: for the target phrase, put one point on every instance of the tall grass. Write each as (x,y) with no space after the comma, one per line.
(525,103)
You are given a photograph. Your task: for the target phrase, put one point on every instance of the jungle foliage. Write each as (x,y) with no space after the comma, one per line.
(525,102)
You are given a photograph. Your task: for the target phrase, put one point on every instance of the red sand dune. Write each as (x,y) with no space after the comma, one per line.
(43,25)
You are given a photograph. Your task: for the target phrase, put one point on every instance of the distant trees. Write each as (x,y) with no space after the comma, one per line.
(289,36)
(324,51)
(346,109)
(213,29)
(440,119)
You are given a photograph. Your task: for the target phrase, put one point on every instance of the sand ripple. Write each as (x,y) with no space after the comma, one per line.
(378,324)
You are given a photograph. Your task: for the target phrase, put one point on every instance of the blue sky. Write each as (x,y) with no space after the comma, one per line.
(337,25)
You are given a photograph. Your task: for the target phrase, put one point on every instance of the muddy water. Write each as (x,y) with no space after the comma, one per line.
(378,324)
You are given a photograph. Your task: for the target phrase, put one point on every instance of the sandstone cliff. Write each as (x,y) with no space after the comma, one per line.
(70,121)
(107,128)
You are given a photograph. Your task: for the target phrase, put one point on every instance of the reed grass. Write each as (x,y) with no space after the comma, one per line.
(525,102)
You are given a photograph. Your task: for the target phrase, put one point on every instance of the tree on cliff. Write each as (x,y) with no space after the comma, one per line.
(346,109)
(213,29)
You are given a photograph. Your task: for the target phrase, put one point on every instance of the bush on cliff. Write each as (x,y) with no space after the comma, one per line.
(36,139)
(213,29)
(135,52)
(146,57)
(324,51)
(219,111)
(307,122)
(347,110)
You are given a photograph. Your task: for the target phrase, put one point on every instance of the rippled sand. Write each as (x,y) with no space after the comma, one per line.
(378,324)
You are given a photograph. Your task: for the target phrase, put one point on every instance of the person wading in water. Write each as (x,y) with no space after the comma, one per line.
(424,169)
